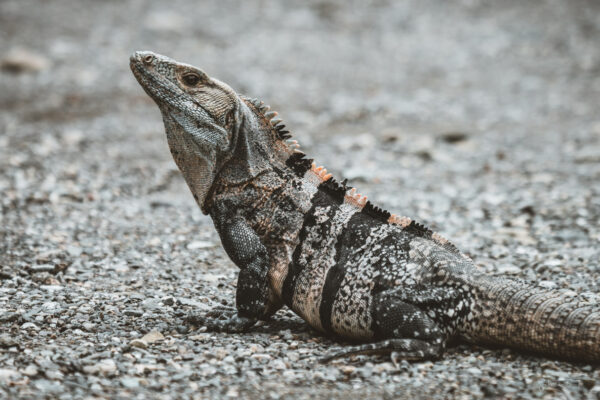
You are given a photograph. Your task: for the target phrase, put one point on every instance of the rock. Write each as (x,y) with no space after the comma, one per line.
(152,337)
(36,269)
(7,341)
(151,304)
(588,383)
(88,326)
(200,337)
(347,369)
(130,383)
(54,375)
(9,316)
(5,273)
(52,288)
(106,367)
(133,313)
(211,277)
(48,387)
(553,263)
(51,307)
(199,244)
(508,269)
(547,284)
(232,392)
(29,325)
(454,136)
(96,388)
(588,155)
(149,338)
(194,303)
(21,60)
(365,372)
(289,375)
(183,329)
(139,343)
(262,358)
(30,370)
(7,374)
(74,251)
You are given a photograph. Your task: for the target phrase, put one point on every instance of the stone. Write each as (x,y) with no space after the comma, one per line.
(130,383)
(199,244)
(7,341)
(139,343)
(30,370)
(152,337)
(133,313)
(19,60)
(7,374)
(106,367)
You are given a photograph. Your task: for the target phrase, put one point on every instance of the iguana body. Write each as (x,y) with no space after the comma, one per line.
(347,268)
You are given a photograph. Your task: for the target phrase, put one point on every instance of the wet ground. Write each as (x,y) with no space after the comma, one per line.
(478,118)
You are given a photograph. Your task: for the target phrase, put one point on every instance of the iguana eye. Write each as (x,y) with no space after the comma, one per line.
(191,79)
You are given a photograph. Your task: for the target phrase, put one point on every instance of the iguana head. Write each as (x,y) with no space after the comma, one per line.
(211,130)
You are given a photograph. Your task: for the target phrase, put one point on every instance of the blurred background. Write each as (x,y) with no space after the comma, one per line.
(479,118)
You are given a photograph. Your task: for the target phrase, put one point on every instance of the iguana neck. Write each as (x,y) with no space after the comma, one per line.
(252,154)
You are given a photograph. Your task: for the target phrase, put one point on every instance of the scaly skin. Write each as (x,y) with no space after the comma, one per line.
(346,267)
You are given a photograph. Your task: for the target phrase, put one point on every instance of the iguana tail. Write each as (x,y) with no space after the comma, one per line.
(553,322)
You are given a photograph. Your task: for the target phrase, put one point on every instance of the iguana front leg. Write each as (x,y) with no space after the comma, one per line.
(245,249)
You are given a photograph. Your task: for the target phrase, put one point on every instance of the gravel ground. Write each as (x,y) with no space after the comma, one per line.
(477,118)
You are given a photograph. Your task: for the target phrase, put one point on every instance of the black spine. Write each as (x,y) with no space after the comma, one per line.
(335,189)
(299,164)
(420,230)
(376,212)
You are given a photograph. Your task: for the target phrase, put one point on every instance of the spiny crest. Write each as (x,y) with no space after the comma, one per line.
(356,198)
(402,221)
(337,190)
(419,230)
(321,172)
(376,212)
(297,160)
(273,118)
(299,163)
(422,231)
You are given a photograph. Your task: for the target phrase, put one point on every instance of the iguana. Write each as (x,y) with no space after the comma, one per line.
(347,267)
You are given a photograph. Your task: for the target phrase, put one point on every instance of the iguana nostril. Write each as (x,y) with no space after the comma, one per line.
(148,59)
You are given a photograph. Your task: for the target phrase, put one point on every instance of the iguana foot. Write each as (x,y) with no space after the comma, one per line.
(399,349)
(221,319)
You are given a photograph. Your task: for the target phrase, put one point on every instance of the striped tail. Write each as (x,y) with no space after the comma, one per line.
(552,322)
